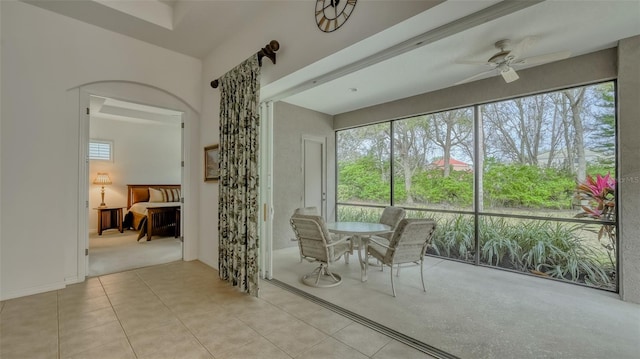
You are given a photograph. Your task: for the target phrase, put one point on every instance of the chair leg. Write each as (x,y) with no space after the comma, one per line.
(393,289)
(328,272)
(398,272)
(422,274)
(366,264)
(320,273)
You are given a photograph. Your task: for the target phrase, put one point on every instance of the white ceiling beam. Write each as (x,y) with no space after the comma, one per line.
(153,11)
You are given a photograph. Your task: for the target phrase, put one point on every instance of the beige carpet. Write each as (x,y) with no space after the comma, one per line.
(116,252)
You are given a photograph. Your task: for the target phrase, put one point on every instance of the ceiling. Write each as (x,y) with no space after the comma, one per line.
(452,31)
(558,25)
(118,110)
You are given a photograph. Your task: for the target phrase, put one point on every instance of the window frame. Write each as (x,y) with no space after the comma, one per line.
(101,142)
(477,214)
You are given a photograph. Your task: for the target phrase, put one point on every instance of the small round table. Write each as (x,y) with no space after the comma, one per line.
(360,231)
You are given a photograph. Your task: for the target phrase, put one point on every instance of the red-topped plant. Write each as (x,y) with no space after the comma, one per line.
(598,202)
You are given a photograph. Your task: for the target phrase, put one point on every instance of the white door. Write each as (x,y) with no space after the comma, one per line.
(314,173)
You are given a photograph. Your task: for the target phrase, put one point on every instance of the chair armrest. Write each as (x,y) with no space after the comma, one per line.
(380,244)
(340,241)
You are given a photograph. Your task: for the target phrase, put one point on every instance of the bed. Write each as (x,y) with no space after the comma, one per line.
(153,210)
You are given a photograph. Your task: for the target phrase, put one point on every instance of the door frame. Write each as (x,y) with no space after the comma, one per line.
(151,96)
(265,261)
(323,167)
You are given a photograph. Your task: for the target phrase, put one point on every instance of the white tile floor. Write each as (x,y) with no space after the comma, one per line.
(181,310)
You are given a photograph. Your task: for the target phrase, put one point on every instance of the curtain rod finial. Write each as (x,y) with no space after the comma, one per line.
(269,51)
(214,84)
(275,45)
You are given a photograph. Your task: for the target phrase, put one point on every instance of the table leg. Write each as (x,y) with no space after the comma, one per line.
(364,266)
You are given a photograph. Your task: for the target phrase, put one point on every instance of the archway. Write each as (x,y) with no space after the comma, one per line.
(150,96)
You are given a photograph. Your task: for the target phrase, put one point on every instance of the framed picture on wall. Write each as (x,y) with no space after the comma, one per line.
(211,163)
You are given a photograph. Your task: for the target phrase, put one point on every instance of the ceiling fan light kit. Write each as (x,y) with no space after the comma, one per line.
(509,74)
(504,60)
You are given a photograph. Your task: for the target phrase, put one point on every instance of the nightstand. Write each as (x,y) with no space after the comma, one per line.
(109,218)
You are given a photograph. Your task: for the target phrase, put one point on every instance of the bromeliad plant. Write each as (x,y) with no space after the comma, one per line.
(598,198)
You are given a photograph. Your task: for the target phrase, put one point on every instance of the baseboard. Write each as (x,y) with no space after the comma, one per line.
(210,264)
(72,280)
(31,291)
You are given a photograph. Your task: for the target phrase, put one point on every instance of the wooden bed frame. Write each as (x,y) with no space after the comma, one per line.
(160,220)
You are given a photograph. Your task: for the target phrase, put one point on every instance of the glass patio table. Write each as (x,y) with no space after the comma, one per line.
(361,232)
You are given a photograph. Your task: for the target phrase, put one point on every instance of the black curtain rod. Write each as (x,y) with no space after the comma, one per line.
(269,51)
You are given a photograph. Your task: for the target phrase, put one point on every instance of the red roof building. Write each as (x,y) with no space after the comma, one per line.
(455,165)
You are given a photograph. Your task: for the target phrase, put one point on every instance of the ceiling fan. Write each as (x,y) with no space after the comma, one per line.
(504,60)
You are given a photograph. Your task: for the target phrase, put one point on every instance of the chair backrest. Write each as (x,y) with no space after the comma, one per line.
(410,240)
(312,235)
(310,211)
(391,216)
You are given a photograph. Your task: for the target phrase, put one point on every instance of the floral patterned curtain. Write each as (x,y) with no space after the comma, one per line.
(238,185)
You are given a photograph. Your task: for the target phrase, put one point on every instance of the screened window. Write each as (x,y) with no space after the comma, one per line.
(527,184)
(433,161)
(101,150)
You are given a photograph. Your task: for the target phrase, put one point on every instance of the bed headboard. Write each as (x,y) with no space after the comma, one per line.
(140,192)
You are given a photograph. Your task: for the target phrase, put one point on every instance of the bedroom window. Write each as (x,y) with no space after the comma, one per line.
(101,150)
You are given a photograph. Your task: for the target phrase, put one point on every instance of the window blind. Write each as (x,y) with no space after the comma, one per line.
(100,150)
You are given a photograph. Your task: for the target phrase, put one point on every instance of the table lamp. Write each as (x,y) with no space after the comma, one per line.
(102,179)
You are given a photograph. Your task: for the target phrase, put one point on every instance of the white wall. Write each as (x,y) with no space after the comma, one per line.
(290,124)
(143,153)
(44,57)
(301,44)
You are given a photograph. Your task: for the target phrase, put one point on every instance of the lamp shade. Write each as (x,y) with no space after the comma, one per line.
(102,178)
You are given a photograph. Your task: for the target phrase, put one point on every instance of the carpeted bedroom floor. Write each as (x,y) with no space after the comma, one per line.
(116,252)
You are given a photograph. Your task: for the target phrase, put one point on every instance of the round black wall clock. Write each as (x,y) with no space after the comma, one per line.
(331,14)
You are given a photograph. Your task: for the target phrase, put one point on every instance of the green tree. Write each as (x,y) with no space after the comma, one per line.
(604,133)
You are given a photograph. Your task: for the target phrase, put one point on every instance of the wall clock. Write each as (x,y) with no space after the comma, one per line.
(331,14)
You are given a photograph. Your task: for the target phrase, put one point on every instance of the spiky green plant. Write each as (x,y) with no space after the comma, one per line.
(495,242)
(454,237)
(358,214)
(555,249)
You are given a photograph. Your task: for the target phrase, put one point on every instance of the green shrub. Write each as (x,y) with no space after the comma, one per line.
(431,187)
(514,185)
(360,180)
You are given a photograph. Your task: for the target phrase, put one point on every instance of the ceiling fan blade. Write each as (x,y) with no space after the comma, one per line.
(474,62)
(522,46)
(543,58)
(469,79)
(509,74)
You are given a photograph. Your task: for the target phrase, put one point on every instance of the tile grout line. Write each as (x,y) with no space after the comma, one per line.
(177,317)
(117,317)
(414,343)
(329,335)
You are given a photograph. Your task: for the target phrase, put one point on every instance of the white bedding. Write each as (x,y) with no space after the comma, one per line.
(141,207)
